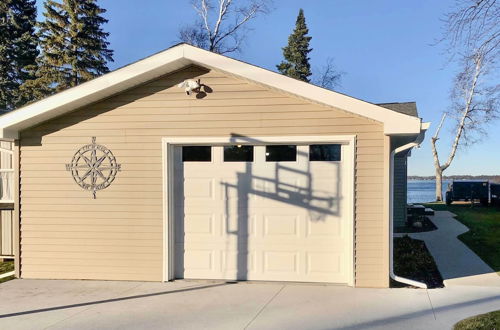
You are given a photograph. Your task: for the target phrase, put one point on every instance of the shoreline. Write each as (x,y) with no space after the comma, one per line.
(490,178)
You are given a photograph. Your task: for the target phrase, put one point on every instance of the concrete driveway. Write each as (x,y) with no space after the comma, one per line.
(46,304)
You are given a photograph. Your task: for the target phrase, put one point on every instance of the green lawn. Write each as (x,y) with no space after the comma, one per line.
(5,267)
(480,322)
(484,235)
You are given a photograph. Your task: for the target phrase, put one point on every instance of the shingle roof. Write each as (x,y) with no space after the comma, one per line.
(407,108)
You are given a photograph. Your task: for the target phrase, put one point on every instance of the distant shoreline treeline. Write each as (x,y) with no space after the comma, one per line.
(491,178)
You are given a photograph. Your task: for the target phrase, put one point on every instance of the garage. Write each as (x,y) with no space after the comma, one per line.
(250,175)
(258,211)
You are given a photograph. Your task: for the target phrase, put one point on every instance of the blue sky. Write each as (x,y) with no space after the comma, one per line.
(383,46)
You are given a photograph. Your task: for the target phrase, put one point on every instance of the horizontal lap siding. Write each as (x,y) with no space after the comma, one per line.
(66,234)
(6,233)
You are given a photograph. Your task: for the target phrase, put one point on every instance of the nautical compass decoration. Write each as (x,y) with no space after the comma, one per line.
(93,167)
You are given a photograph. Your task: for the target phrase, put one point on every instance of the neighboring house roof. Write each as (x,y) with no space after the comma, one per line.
(407,108)
(180,56)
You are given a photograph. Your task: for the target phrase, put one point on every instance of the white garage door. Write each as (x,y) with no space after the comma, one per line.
(274,212)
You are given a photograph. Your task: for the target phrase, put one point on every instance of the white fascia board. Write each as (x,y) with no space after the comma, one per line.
(177,57)
(92,91)
(394,122)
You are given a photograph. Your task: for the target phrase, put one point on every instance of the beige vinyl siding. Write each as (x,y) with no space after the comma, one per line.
(6,233)
(66,234)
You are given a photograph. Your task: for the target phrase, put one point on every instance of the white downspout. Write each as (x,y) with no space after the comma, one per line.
(407,146)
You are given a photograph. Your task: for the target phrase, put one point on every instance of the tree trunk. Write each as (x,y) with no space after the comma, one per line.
(439,185)
(439,169)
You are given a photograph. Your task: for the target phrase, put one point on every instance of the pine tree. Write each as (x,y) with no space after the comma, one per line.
(6,75)
(25,48)
(296,62)
(18,51)
(74,46)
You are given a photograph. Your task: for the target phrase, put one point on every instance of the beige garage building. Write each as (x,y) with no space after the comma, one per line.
(249,175)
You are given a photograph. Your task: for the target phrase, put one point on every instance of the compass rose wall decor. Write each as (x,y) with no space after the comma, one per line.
(93,167)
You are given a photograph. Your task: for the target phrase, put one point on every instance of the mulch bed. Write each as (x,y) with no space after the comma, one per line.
(412,260)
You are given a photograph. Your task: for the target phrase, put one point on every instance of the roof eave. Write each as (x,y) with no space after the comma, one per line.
(182,55)
(394,122)
(91,91)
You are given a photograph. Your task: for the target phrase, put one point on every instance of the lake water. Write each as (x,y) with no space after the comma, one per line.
(421,191)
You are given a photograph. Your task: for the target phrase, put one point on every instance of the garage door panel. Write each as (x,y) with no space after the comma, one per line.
(284,184)
(261,220)
(237,207)
(321,208)
(323,228)
(200,260)
(234,262)
(281,261)
(239,225)
(323,187)
(200,224)
(236,188)
(323,263)
(199,188)
(281,226)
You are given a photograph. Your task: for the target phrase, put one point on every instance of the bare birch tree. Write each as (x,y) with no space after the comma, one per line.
(473,38)
(328,76)
(222,25)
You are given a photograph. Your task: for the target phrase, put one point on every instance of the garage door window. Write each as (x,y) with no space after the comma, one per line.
(283,153)
(197,154)
(324,152)
(238,153)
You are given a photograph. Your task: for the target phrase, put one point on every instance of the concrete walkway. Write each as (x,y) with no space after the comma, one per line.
(457,263)
(56,304)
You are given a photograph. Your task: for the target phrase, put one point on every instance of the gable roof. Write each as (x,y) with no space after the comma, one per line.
(407,108)
(177,57)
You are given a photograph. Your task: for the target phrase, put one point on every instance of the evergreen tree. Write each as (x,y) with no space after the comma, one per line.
(6,75)
(25,48)
(74,46)
(18,51)
(296,62)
